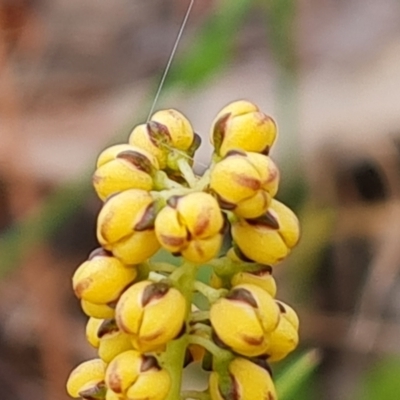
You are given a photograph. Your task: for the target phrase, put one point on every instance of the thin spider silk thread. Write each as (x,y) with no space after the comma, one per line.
(164,76)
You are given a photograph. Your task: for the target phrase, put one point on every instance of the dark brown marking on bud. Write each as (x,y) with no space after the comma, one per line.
(239,253)
(246,181)
(173,201)
(138,160)
(262,363)
(113,304)
(81,287)
(282,308)
(267,219)
(107,326)
(218,341)
(244,295)
(195,145)
(181,332)
(233,393)
(224,204)
(158,134)
(148,363)
(97,392)
(114,380)
(173,241)
(224,231)
(154,291)
(270,396)
(148,219)
(253,341)
(266,150)
(219,131)
(99,252)
(104,226)
(177,254)
(202,223)
(235,152)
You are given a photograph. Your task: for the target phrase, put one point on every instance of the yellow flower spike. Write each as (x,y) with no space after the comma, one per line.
(245,182)
(285,338)
(154,138)
(112,341)
(179,128)
(191,225)
(100,311)
(85,377)
(124,167)
(102,278)
(269,238)
(152,313)
(256,316)
(262,278)
(249,382)
(125,226)
(241,126)
(123,371)
(92,328)
(150,385)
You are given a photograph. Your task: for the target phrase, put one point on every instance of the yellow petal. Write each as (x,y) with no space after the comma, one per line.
(123,371)
(151,385)
(112,344)
(243,333)
(101,311)
(102,279)
(86,375)
(92,327)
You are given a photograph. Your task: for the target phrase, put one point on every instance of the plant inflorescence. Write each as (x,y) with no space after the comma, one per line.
(150,319)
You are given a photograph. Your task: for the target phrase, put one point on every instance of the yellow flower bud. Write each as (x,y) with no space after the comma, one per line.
(125,226)
(123,167)
(92,327)
(249,381)
(191,225)
(136,377)
(255,313)
(152,313)
(154,138)
(285,338)
(268,239)
(100,311)
(102,278)
(179,128)
(262,278)
(241,126)
(88,376)
(112,340)
(151,385)
(245,182)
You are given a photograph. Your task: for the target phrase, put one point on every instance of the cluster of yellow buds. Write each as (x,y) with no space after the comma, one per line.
(149,319)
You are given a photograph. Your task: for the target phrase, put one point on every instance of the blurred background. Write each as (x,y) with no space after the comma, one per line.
(77,76)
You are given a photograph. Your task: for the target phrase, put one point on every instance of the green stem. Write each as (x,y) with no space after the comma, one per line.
(187,172)
(162,267)
(198,316)
(162,182)
(209,345)
(199,327)
(210,293)
(192,394)
(173,358)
